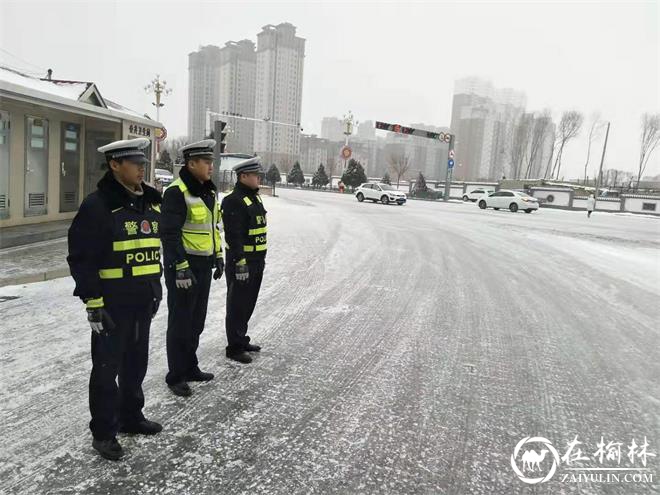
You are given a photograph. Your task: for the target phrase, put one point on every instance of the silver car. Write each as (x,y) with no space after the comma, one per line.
(511,200)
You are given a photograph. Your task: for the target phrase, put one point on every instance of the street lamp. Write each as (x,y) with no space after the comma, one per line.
(159,89)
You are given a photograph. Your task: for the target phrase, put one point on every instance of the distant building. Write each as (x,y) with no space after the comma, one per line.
(313,152)
(237,79)
(366,130)
(280,60)
(203,89)
(332,128)
(482,121)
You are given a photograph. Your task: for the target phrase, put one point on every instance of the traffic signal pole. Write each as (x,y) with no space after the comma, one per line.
(443,137)
(450,169)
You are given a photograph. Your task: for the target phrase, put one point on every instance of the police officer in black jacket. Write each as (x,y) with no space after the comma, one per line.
(244,218)
(192,248)
(114,257)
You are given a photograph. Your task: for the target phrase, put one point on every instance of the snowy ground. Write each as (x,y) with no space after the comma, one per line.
(406,350)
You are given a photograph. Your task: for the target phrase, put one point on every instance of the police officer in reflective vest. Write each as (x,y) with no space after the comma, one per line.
(244,218)
(192,249)
(114,257)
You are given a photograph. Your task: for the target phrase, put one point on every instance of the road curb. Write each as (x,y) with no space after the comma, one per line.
(35,277)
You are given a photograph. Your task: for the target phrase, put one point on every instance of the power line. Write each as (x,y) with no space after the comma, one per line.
(41,69)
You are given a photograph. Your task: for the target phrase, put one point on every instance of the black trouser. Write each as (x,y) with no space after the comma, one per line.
(185,320)
(124,352)
(241,299)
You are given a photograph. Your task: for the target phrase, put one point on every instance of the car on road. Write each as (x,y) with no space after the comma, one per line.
(376,192)
(475,194)
(511,200)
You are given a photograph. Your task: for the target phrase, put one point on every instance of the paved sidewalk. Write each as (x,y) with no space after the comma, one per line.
(21,235)
(34,262)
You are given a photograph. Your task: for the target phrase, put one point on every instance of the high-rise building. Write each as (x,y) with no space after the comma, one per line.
(236,96)
(482,120)
(280,59)
(203,89)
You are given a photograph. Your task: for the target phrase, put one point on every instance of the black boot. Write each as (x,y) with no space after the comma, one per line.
(144,427)
(240,356)
(198,375)
(181,389)
(252,348)
(109,449)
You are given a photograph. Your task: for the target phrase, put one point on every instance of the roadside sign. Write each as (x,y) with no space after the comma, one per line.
(451,154)
(450,164)
(161,133)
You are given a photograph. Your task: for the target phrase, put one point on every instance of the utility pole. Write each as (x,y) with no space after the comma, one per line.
(159,89)
(600,170)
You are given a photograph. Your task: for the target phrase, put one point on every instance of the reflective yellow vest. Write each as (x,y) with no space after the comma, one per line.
(200,233)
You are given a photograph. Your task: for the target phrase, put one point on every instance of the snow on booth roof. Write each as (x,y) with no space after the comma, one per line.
(75,91)
(71,90)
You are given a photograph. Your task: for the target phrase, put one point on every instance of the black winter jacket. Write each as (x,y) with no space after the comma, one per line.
(94,229)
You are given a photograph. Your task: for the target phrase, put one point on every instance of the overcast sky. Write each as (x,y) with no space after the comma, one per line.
(392,61)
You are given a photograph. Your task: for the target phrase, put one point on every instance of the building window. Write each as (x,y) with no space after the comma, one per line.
(649,206)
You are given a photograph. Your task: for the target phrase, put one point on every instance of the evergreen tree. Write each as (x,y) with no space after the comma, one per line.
(354,174)
(273,175)
(165,161)
(386,179)
(320,178)
(296,175)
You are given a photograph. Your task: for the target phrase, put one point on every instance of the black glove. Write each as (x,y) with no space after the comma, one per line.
(100,321)
(242,272)
(154,308)
(219,268)
(185,279)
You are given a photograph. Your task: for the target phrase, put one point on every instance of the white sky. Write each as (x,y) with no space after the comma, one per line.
(392,61)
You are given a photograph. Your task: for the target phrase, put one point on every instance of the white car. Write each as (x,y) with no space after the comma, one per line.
(380,192)
(475,194)
(512,200)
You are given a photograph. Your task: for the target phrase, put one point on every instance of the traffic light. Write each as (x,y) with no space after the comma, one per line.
(220,134)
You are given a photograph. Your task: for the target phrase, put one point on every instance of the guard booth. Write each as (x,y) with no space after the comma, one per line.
(49,134)
(225,178)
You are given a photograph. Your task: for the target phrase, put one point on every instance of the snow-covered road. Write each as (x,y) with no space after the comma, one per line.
(406,350)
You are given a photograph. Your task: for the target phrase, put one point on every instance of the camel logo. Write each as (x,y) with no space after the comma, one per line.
(535,460)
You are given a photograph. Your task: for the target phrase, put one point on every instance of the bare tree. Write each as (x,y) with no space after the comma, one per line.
(505,136)
(400,163)
(539,132)
(552,155)
(649,140)
(520,141)
(569,127)
(172,146)
(594,133)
